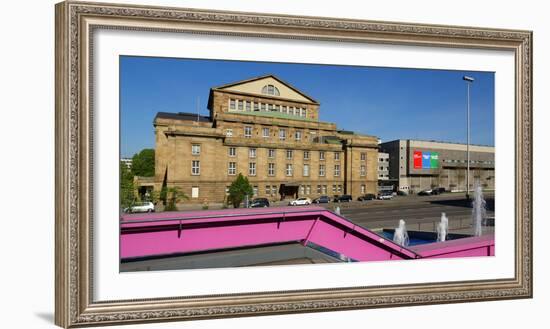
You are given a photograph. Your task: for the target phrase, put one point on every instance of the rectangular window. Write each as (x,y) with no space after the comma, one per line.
(195,167)
(270,107)
(339,188)
(263,107)
(271,153)
(321,170)
(271,169)
(298,135)
(273,189)
(240,105)
(232,105)
(363,189)
(334,188)
(289,169)
(302,189)
(252,169)
(227,190)
(336,155)
(256,107)
(336,170)
(277,108)
(195,149)
(289,154)
(267,189)
(232,152)
(306,155)
(229,132)
(363,156)
(362,170)
(324,189)
(247,131)
(304,113)
(248,106)
(195,192)
(285,109)
(252,153)
(255,190)
(319,189)
(308,189)
(306,170)
(232,169)
(282,134)
(321,155)
(265,132)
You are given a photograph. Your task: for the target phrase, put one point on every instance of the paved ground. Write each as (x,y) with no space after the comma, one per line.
(419,212)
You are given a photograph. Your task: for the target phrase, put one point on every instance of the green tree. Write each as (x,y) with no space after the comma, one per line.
(238,190)
(173,196)
(127,188)
(143,163)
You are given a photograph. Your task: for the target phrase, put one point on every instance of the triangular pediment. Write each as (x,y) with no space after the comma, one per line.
(256,86)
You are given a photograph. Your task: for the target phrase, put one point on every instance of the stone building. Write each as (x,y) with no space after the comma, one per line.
(270,132)
(416,165)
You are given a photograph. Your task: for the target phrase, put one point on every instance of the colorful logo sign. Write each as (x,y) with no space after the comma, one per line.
(425,160)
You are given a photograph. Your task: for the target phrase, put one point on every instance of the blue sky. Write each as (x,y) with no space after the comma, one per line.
(390,103)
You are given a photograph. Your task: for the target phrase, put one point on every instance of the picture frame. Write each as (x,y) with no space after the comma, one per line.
(76,23)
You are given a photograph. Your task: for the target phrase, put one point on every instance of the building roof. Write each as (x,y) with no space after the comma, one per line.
(264,77)
(183,116)
(434,141)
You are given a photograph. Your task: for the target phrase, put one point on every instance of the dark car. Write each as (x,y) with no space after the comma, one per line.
(441,190)
(322,199)
(259,203)
(402,193)
(366,197)
(343,198)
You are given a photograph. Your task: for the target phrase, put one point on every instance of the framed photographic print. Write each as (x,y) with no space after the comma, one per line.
(215,164)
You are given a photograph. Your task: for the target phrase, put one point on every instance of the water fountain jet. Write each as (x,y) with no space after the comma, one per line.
(442,228)
(400,235)
(478,208)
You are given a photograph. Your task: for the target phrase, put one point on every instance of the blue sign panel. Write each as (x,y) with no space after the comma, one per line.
(426,160)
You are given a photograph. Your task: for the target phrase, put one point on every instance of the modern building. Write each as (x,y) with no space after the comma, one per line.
(269,131)
(384,182)
(383,166)
(419,165)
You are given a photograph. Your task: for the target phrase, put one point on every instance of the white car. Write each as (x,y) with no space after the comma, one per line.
(141,207)
(300,202)
(385,196)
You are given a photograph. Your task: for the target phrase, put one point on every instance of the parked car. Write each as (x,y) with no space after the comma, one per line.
(365,197)
(402,193)
(300,202)
(343,198)
(441,190)
(322,199)
(141,207)
(385,195)
(425,192)
(259,203)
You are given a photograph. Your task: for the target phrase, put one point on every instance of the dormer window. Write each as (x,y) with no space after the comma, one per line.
(270,90)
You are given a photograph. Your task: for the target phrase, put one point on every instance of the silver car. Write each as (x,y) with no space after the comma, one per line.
(141,207)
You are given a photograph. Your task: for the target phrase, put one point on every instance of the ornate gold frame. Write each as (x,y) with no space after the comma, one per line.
(76,21)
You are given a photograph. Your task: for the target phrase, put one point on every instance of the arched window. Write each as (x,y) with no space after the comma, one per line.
(270,90)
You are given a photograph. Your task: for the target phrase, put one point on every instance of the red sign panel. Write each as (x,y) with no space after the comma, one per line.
(417,159)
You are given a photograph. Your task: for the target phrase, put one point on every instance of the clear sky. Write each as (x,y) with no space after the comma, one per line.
(390,103)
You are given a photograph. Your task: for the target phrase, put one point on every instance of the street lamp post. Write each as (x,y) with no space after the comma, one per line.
(469,81)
